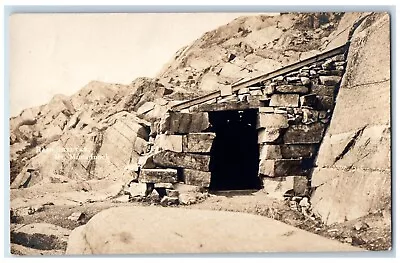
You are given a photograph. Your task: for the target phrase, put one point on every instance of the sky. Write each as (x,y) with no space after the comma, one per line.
(60,53)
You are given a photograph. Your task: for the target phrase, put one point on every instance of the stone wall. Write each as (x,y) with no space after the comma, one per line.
(353,173)
(294,110)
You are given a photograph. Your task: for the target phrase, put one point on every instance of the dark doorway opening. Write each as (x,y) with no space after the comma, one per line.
(234,153)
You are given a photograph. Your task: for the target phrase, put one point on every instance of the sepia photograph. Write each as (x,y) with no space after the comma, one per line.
(199,133)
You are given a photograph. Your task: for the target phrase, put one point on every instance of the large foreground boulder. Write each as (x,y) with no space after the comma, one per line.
(131,230)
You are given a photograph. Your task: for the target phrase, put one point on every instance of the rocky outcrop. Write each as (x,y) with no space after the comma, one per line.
(169,230)
(247,47)
(353,173)
(38,239)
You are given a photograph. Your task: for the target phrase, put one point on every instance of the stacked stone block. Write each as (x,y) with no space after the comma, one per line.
(294,110)
(181,151)
(292,123)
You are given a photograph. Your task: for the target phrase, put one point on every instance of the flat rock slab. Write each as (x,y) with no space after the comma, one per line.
(292,89)
(198,142)
(285,100)
(183,160)
(282,167)
(179,122)
(304,134)
(158,176)
(199,178)
(178,230)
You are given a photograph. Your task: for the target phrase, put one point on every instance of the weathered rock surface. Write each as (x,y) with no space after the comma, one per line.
(184,231)
(39,237)
(303,134)
(283,167)
(168,142)
(269,135)
(180,123)
(354,158)
(285,100)
(198,142)
(185,160)
(198,178)
(291,89)
(268,120)
(158,176)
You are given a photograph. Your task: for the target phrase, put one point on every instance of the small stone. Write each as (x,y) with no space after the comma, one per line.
(333,230)
(339,68)
(172,193)
(294,205)
(269,90)
(146,161)
(348,240)
(292,89)
(269,135)
(308,101)
(304,202)
(76,216)
(137,189)
(330,80)
(304,74)
(166,201)
(270,152)
(338,58)
(292,79)
(296,198)
(188,198)
(243,91)
(243,97)
(278,79)
(268,120)
(37,208)
(328,64)
(305,80)
(122,199)
(340,63)
(285,100)
(359,226)
(164,185)
(256,93)
(309,116)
